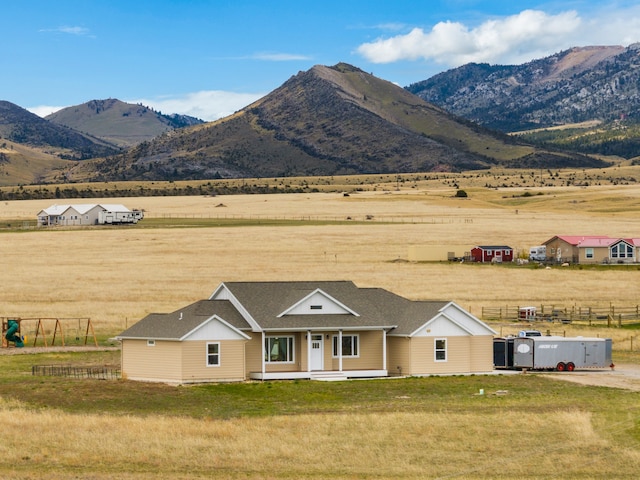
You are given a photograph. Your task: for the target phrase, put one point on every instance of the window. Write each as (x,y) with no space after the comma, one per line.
(278,349)
(151,343)
(588,253)
(213,354)
(622,250)
(349,346)
(440,349)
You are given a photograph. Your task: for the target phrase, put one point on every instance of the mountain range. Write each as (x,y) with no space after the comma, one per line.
(594,90)
(323,121)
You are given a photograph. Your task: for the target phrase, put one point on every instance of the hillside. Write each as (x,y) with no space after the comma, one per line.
(325,121)
(599,85)
(21,126)
(24,165)
(119,123)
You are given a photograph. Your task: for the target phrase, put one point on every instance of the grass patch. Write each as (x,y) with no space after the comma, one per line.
(394,428)
(526,393)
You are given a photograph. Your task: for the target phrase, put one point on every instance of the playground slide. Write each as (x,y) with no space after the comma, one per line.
(11,333)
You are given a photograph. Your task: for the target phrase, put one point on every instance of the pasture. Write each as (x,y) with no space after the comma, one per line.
(186,246)
(525,426)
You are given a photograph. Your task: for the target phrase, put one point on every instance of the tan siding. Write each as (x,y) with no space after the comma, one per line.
(160,362)
(370,352)
(599,254)
(399,355)
(567,251)
(423,361)
(253,354)
(194,362)
(481,353)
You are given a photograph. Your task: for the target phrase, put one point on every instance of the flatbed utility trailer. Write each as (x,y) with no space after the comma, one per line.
(552,353)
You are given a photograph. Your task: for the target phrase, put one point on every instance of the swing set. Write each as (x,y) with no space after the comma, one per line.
(44,332)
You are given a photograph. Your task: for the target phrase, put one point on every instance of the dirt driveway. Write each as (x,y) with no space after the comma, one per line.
(626,376)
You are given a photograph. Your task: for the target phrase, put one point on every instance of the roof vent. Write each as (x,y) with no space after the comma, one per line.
(180,318)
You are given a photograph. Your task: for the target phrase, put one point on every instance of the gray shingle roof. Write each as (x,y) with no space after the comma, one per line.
(175,325)
(374,308)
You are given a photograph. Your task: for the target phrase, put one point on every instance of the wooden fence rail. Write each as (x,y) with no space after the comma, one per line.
(611,315)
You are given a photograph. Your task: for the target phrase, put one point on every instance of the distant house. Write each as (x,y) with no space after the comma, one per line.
(304,330)
(492,254)
(585,249)
(83,214)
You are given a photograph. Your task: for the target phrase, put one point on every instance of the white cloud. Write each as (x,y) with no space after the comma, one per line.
(207,105)
(71,30)
(508,39)
(44,110)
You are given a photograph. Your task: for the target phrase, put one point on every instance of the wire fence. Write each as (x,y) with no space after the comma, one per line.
(445,219)
(73,371)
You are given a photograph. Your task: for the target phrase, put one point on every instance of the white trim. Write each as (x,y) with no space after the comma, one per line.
(219,355)
(435,350)
(384,349)
(308,350)
(236,303)
(338,338)
(441,314)
(324,294)
(218,319)
(292,356)
(308,375)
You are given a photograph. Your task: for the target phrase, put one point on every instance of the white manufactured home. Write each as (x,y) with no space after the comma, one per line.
(87,214)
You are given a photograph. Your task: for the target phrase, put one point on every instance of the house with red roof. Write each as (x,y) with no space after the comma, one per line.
(585,249)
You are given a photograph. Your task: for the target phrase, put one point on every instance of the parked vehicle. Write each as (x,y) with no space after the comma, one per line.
(552,353)
(538,253)
(107,217)
(529,333)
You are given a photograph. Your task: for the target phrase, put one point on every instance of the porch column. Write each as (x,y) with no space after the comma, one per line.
(384,349)
(263,355)
(339,350)
(308,350)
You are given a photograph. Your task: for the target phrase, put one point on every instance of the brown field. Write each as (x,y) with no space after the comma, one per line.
(115,276)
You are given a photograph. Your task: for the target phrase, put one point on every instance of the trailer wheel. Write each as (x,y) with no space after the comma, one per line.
(561,367)
(571,367)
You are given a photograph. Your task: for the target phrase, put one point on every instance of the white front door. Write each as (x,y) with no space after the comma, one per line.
(317,352)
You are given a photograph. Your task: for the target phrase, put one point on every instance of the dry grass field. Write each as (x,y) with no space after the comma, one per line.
(185,247)
(343,446)
(115,276)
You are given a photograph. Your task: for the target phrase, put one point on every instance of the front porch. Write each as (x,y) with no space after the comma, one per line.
(326,375)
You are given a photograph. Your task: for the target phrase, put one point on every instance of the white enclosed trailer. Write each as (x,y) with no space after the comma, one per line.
(552,353)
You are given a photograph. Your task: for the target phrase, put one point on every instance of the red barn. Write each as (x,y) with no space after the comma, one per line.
(492,254)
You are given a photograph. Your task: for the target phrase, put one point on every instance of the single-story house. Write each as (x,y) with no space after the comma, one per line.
(75,215)
(492,254)
(585,249)
(304,330)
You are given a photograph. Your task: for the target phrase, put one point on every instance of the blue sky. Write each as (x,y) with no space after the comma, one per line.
(209,58)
